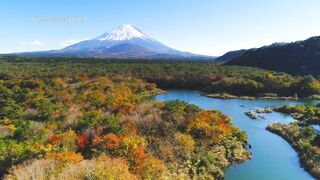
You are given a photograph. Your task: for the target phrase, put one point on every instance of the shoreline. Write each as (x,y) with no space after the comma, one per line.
(299,116)
(230,96)
(295,146)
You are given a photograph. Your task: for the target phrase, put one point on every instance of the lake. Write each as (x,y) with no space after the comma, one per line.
(273,158)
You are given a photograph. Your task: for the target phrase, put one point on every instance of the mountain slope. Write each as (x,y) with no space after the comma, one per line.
(301,57)
(230,55)
(127,50)
(124,34)
(125,41)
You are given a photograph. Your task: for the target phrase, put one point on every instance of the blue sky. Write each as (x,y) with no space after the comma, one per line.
(210,27)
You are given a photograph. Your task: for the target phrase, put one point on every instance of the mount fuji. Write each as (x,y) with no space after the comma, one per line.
(125,41)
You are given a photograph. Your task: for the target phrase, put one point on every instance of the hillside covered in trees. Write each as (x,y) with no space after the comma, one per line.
(297,58)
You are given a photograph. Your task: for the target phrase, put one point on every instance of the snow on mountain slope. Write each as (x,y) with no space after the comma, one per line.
(124,32)
(125,41)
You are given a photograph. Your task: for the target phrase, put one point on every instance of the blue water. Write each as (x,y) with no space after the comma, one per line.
(317,127)
(273,158)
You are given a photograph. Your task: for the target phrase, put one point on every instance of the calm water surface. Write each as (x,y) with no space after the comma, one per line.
(273,158)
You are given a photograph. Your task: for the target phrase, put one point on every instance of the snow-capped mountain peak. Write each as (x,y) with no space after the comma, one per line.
(122,33)
(125,41)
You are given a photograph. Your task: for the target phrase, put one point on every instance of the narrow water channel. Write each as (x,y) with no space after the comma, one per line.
(273,158)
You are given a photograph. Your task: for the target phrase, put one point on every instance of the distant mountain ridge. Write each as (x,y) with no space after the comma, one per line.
(230,55)
(298,58)
(234,54)
(125,41)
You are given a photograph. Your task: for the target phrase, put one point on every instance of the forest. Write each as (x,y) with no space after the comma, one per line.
(297,58)
(201,75)
(69,120)
(75,118)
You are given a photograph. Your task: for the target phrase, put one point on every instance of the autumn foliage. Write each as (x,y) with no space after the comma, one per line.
(100,127)
(109,142)
(151,86)
(82,140)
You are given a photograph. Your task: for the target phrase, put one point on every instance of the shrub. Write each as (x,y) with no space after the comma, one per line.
(101,168)
(309,86)
(130,143)
(109,143)
(82,140)
(64,142)
(112,125)
(185,141)
(45,109)
(31,84)
(124,109)
(13,152)
(23,130)
(151,86)
(35,169)
(11,109)
(89,119)
(70,156)
(97,98)
(94,119)
(209,124)
(151,168)
(175,107)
